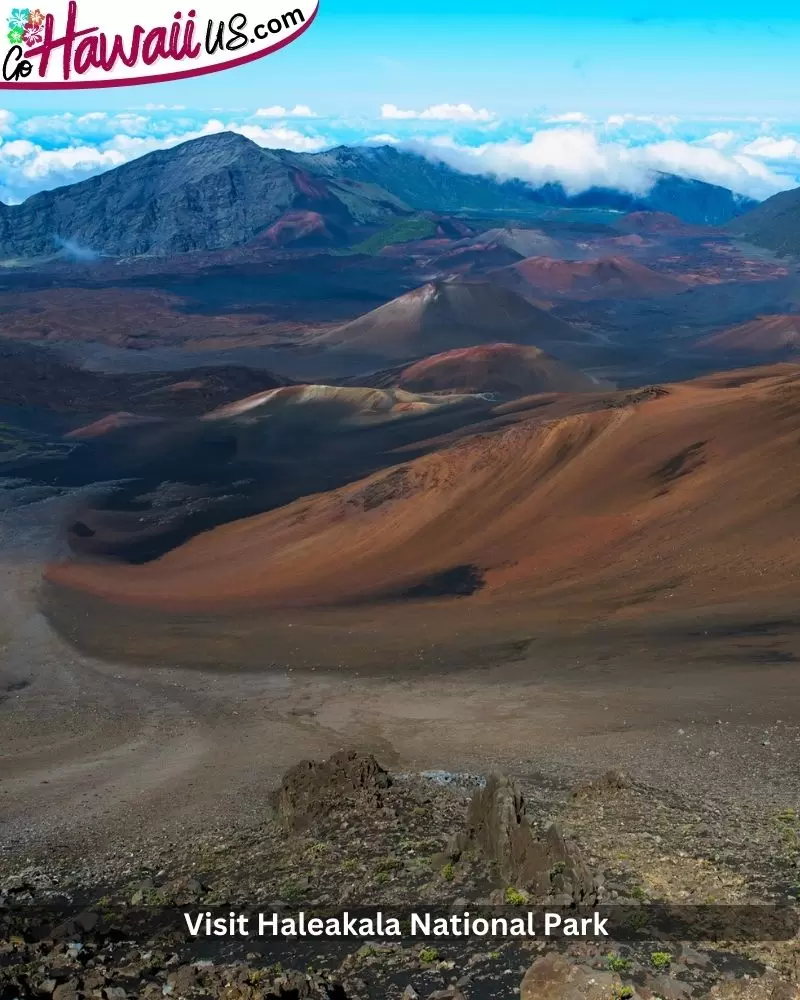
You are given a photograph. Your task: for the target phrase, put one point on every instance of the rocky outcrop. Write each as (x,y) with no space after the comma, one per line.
(499,828)
(313,790)
(554,977)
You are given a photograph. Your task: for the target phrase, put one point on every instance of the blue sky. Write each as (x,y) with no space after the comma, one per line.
(706,88)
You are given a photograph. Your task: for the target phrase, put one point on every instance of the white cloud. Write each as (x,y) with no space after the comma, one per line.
(383,138)
(391,111)
(770,148)
(575,117)
(664,123)
(276,111)
(718,140)
(30,166)
(281,137)
(579,160)
(68,126)
(7,119)
(439,113)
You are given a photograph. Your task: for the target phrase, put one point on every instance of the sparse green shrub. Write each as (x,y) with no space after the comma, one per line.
(449,872)
(516,897)
(619,964)
(621,992)
(660,959)
(428,955)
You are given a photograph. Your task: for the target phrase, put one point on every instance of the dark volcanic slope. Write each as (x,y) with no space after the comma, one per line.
(443,315)
(254,454)
(217,191)
(775,223)
(33,376)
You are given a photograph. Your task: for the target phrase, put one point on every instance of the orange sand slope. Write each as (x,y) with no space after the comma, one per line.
(762,335)
(686,499)
(508,369)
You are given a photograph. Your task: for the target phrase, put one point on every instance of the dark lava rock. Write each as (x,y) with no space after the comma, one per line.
(499,828)
(312,790)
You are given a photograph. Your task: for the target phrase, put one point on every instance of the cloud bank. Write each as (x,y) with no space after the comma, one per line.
(579,159)
(751,156)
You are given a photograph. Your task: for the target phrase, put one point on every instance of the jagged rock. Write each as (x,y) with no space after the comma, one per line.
(499,828)
(554,977)
(312,789)
(611,781)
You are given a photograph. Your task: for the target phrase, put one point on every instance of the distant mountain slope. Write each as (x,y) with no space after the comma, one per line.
(223,190)
(425,183)
(774,224)
(217,191)
(443,315)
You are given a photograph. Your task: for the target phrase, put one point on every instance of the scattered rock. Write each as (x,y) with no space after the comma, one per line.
(297,986)
(611,781)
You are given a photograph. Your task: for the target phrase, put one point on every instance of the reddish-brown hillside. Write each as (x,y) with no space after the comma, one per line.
(685,500)
(607,277)
(505,369)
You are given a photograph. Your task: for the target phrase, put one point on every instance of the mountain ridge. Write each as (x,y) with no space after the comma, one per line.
(225,190)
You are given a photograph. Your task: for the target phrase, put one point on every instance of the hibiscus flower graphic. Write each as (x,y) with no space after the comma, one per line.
(19,18)
(35,19)
(15,36)
(32,34)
